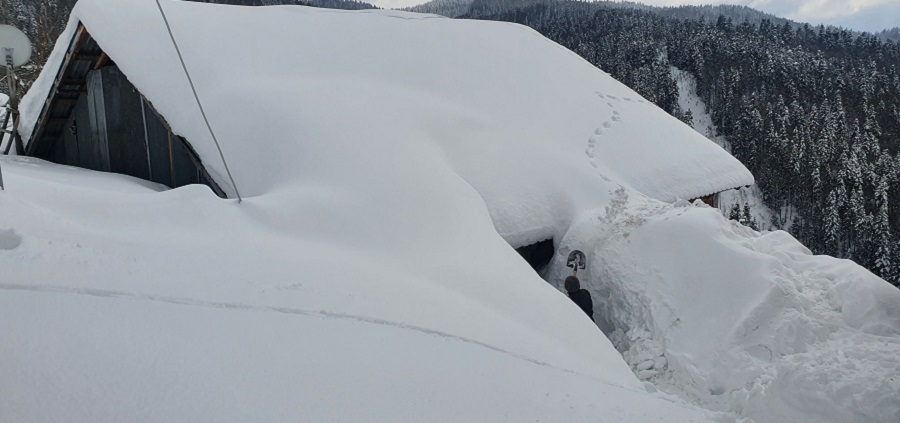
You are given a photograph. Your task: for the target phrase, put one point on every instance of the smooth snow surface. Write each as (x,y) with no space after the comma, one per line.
(450,89)
(388,160)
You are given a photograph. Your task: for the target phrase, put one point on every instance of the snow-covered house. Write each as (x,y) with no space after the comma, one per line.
(110,103)
(387,163)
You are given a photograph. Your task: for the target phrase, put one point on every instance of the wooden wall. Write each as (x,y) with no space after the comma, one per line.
(113,128)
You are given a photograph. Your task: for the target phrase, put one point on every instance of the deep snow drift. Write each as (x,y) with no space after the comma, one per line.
(388,161)
(741,321)
(121,303)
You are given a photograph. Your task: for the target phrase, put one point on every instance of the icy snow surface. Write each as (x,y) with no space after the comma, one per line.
(387,161)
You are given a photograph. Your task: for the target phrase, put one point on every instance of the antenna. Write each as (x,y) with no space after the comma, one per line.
(15,49)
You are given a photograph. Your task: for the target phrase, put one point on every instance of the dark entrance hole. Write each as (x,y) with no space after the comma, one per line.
(538,255)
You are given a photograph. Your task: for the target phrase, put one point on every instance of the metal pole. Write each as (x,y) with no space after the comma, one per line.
(13,106)
(10,106)
(3,131)
(197,98)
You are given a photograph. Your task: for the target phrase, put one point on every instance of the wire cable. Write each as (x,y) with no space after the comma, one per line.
(196,97)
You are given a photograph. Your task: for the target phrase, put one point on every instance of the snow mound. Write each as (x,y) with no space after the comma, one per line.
(123,303)
(742,321)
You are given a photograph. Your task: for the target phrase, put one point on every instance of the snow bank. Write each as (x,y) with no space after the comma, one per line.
(742,321)
(121,301)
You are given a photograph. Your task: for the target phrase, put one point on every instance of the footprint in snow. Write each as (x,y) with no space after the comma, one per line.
(590,151)
(609,104)
(598,131)
(607,124)
(9,239)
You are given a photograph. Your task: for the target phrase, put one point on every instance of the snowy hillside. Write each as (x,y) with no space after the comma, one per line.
(751,197)
(388,162)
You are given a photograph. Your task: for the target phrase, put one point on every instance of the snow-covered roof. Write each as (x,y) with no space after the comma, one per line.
(286,87)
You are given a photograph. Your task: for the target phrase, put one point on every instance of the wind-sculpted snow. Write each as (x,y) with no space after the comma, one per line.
(740,321)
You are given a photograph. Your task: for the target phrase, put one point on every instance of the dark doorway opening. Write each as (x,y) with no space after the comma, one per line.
(538,255)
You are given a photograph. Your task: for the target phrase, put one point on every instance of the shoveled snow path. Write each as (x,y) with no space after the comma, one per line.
(739,321)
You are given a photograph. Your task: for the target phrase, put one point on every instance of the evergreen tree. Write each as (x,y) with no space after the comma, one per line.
(735,213)
(832,226)
(882,235)
(747,219)
(688,118)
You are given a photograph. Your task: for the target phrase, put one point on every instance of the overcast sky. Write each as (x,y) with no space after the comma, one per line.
(861,15)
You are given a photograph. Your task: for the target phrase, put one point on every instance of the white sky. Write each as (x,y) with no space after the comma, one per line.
(861,15)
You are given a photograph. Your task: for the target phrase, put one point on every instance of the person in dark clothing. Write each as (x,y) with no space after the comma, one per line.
(580,296)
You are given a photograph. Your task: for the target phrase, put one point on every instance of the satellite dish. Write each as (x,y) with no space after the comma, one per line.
(16,40)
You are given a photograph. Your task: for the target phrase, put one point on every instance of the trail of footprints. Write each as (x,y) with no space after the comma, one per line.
(591,150)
